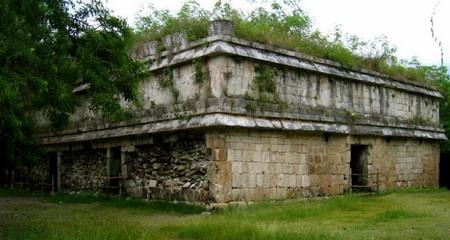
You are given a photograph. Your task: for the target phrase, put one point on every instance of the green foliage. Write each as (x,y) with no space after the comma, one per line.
(250,107)
(441,80)
(166,81)
(157,23)
(47,49)
(199,75)
(284,25)
(264,79)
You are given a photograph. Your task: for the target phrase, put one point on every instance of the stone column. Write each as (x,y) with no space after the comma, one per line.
(220,27)
(58,170)
(176,41)
(147,49)
(123,159)
(108,163)
(219,169)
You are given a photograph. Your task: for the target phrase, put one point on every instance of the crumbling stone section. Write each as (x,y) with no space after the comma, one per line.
(172,167)
(36,176)
(83,170)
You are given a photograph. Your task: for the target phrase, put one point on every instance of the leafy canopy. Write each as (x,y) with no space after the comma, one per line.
(47,49)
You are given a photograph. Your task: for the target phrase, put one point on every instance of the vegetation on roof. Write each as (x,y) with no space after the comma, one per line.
(284,25)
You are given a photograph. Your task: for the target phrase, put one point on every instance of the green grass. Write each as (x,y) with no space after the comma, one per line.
(107,201)
(410,214)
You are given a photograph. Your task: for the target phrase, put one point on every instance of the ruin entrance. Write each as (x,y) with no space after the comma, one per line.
(358,166)
(53,173)
(115,170)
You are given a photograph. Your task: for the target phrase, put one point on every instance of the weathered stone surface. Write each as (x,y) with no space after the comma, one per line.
(233,140)
(220,27)
(83,170)
(216,120)
(174,169)
(175,42)
(365,98)
(281,165)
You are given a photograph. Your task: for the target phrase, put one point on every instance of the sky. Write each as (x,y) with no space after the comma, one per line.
(406,23)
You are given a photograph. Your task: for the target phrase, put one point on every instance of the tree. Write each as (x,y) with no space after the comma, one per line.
(50,47)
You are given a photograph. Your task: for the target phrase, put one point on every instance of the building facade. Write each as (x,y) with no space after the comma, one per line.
(224,119)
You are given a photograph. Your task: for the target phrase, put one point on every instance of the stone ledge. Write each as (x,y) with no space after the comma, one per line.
(233,46)
(237,106)
(226,120)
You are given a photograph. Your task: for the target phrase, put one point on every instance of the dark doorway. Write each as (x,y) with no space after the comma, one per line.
(53,173)
(358,165)
(444,170)
(115,170)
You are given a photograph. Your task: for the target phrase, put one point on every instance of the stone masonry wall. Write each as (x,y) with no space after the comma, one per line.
(172,167)
(234,77)
(280,165)
(254,165)
(402,162)
(83,170)
(37,176)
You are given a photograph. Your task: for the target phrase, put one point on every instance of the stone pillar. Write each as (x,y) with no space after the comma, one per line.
(58,170)
(108,162)
(220,27)
(123,159)
(147,49)
(150,48)
(175,41)
(219,169)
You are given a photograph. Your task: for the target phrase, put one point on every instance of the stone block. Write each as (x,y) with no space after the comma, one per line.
(255,167)
(236,180)
(259,180)
(236,167)
(220,27)
(305,181)
(152,183)
(219,154)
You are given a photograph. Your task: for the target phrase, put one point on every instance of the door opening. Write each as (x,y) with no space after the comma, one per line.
(358,166)
(53,173)
(115,170)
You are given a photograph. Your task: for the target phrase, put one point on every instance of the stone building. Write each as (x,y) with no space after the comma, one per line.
(224,119)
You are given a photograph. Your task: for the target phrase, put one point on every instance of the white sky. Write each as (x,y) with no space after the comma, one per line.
(406,23)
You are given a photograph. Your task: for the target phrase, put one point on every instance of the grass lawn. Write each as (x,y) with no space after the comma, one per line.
(409,214)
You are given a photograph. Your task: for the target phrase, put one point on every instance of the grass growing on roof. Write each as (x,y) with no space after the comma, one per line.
(283,24)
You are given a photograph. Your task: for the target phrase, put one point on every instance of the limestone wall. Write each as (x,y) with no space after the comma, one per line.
(309,92)
(402,162)
(254,165)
